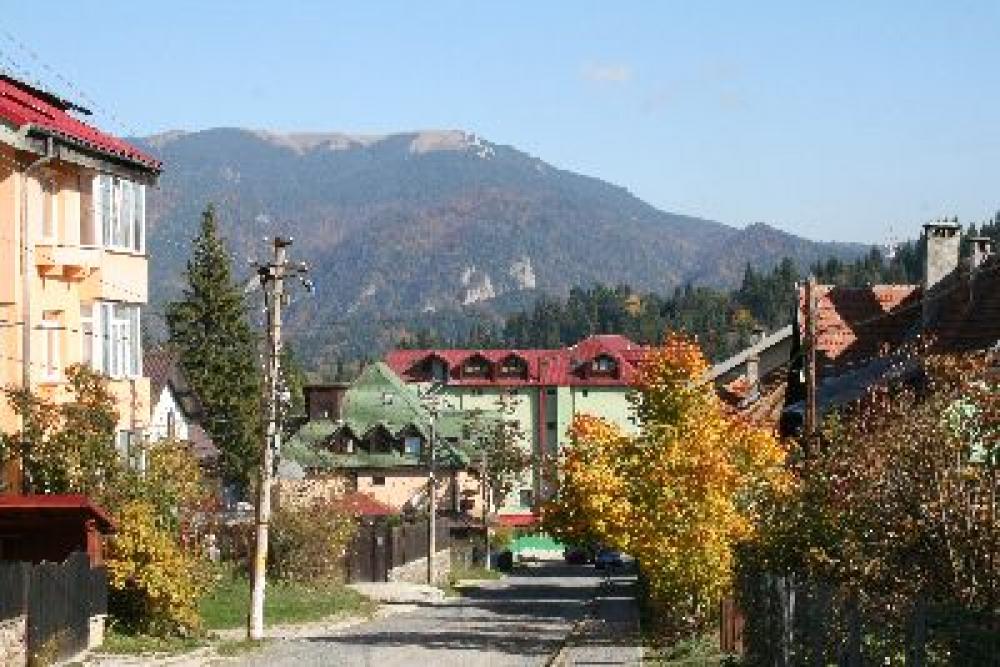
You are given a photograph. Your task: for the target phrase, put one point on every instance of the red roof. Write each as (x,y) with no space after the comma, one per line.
(517,520)
(855,324)
(55,504)
(22,104)
(362,504)
(560,367)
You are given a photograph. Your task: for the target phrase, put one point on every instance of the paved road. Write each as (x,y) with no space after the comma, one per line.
(520,620)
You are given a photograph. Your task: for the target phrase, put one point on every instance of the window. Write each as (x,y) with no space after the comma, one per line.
(550,425)
(411,445)
(378,480)
(550,392)
(476,367)
(585,393)
(526,496)
(50,207)
(513,366)
(604,364)
(121,354)
(87,339)
(171,424)
(52,333)
(120,209)
(88,234)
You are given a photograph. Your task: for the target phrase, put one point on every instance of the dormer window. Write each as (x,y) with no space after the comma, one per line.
(513,366)
(434,369)
(478,367)
(603,365)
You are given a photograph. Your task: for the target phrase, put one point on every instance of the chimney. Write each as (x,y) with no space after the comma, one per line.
(942,239)
(982,248)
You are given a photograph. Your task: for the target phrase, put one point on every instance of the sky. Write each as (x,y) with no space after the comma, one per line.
(853,121)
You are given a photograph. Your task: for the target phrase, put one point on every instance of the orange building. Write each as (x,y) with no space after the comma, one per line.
(73,263)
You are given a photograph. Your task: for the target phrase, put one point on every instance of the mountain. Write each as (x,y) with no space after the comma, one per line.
(432,224)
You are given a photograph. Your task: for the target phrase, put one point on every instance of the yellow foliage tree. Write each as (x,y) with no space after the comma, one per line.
(680,495)
(155,583)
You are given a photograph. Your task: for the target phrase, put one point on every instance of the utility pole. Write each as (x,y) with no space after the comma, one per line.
(486,505)
(272,279)
(811,359)
(431,502)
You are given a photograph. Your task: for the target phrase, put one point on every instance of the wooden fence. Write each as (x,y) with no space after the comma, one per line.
(58,601)
(378,548)
(787,622)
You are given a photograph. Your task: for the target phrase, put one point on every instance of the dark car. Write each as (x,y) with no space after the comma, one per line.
(607,558)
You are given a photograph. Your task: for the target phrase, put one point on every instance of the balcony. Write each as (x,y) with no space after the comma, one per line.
(67,261)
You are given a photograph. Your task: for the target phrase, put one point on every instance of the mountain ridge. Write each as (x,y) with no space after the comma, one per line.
(434,220)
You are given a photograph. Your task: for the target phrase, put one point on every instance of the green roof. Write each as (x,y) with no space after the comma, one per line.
(379,399)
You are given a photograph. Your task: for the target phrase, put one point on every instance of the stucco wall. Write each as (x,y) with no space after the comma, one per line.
(159,419)
(62,275)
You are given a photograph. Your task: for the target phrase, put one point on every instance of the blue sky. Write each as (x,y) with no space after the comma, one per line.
(832,120)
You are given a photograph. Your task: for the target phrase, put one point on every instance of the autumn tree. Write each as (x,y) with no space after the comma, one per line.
(66,447)
(678,496)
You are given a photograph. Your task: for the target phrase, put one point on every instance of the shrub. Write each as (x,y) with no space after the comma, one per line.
(154,584)
(307,542)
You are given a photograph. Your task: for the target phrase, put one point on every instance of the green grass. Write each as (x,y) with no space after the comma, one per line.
(693,652)
(121,643)
(228,604)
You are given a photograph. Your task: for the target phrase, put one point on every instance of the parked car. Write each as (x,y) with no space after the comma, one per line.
(577,554)
(607,558)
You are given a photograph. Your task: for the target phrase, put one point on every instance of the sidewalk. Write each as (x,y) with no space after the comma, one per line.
(610,633)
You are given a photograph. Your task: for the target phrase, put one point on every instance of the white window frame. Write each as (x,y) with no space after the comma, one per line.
(120,340)
(52,329)
(89,349)
(119,213)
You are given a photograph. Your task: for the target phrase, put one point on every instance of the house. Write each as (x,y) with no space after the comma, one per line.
(176,410)
(73,263)
(863,334)
(543,390)
(377,445)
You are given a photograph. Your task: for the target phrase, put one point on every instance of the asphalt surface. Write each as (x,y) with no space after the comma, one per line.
(524,619)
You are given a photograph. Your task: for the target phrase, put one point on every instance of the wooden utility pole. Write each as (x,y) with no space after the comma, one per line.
(811,358)
(272,279)
(431,502)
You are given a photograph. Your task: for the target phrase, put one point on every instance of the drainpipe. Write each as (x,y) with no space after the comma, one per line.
(27,260)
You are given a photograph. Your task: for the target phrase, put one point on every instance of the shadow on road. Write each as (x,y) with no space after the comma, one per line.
(527,614)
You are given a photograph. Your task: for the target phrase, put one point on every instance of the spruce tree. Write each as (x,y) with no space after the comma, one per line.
(219,353)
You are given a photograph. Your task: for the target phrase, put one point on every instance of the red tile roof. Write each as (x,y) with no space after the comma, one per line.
(517,520)
(362,504)
(22,104)
(857,323)
(559,367)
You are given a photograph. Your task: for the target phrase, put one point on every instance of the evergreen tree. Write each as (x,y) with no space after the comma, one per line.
(218,352)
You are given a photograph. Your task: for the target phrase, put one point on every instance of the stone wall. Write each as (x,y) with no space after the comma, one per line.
(415,572)
(14,641)
(299,492)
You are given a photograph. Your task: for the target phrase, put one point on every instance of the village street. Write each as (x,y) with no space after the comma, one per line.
(524,619)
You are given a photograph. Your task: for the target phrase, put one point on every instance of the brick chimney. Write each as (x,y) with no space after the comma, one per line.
(942,238)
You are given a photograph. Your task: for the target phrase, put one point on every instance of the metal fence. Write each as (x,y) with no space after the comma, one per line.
(58,601)
(783,621)
(378,548)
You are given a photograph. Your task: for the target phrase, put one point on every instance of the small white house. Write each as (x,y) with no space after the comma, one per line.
(175,407)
